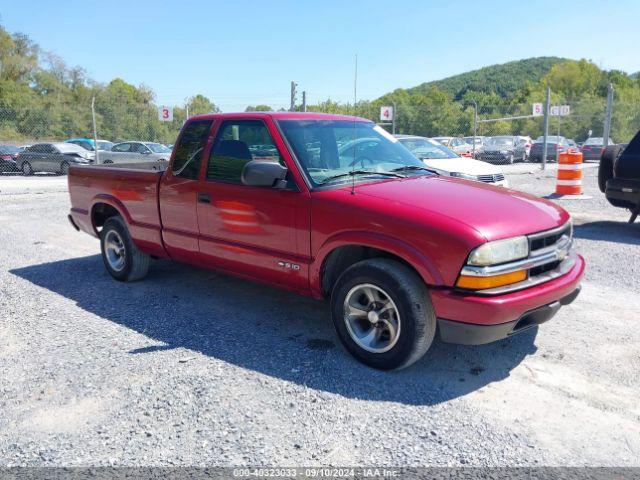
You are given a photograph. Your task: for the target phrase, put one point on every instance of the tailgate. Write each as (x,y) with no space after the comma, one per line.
(131,188)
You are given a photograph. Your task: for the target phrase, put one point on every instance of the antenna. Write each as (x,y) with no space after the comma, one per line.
(355,101)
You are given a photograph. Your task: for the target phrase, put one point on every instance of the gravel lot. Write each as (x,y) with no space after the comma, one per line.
(189,367)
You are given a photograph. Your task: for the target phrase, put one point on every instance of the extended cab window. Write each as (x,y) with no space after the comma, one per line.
(237,143)
(188,151)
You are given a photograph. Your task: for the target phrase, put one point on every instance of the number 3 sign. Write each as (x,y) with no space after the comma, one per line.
(165,114)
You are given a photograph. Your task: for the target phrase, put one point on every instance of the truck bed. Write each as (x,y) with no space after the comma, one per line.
(130,188)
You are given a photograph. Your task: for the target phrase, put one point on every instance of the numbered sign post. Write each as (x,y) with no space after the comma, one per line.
(538,110)
(386,114)
(165,114)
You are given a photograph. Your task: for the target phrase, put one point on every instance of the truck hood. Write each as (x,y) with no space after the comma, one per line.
(494,212)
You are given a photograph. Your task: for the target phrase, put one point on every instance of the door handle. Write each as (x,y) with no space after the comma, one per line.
(204,197)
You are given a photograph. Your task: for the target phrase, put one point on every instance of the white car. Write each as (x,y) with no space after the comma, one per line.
(446,162)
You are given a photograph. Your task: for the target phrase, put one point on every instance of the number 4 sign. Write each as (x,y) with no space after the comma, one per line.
(165,114)
(386,114)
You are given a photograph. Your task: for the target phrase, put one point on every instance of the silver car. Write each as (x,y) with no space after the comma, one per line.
(131,152)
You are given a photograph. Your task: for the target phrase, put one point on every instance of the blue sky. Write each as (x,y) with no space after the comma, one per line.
(247,52)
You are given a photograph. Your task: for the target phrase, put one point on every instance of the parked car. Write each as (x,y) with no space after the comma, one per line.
(555,145)
(593,148)
(503,149)
(87,143)
(8,156)
(52,157)
(619,176)
(127,152)
(399,251)
(445,161)
(456,144)
(479,141)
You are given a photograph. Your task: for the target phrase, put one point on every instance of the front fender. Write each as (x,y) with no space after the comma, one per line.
(425,268)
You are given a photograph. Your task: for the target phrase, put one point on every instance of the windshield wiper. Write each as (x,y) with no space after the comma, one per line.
(360,172)
(413,167)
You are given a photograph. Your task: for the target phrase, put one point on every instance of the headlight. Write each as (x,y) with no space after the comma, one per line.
(463,175)
(500,251)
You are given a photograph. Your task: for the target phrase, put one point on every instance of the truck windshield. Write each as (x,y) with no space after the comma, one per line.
(328,148)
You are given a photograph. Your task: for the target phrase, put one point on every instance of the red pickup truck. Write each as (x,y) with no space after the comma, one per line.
(334,207)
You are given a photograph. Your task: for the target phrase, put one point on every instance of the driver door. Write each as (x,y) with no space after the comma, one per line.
(259,232)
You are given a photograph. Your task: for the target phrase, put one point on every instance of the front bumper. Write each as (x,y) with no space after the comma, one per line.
(470,334)
(472,319)
(494,156)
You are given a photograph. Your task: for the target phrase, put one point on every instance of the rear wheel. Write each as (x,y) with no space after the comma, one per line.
(382,313)
(121,257)
(27,170)
(607,161)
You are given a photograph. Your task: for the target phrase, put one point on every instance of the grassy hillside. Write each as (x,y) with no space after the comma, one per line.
(503,79)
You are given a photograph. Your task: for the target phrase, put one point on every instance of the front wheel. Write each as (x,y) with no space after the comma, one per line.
(64,168)
(382,313)
(27,170)
(121,257)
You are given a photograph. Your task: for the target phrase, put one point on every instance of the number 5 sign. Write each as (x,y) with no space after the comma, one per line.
(165,114)
(537,110)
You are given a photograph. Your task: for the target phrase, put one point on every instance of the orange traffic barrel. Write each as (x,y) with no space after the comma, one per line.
(569,180)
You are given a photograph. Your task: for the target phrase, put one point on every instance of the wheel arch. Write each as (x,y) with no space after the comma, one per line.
(105,207)
(342,251)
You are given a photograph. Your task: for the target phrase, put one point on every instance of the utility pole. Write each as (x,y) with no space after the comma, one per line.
(304,100)
(393,122)
(475,125)
(547,107)
(606,134)
(293,96)
(95,130)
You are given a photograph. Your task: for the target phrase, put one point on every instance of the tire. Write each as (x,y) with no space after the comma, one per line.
(64,168)
(409,309)
(130,264)
(510,159)
(607,161)
(107,161)
(27,169)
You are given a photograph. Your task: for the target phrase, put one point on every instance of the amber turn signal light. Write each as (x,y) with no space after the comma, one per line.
(482,283)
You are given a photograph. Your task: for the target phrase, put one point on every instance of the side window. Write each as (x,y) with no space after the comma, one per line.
(187,156)
(123,147)
(49,149)
(138,148)
(237,143)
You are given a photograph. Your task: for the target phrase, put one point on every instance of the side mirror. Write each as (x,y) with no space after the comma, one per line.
(260,173)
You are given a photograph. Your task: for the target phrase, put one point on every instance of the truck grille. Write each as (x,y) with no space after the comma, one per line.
(546,240)
(499,177)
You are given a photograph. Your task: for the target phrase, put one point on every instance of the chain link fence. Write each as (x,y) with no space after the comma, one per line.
(454,123)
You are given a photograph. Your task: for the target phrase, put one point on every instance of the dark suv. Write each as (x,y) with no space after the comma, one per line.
(619,176)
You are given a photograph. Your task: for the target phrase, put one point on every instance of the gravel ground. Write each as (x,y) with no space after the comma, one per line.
(189,367)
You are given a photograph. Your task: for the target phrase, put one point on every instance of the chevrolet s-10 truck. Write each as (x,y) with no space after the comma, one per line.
(299,201)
